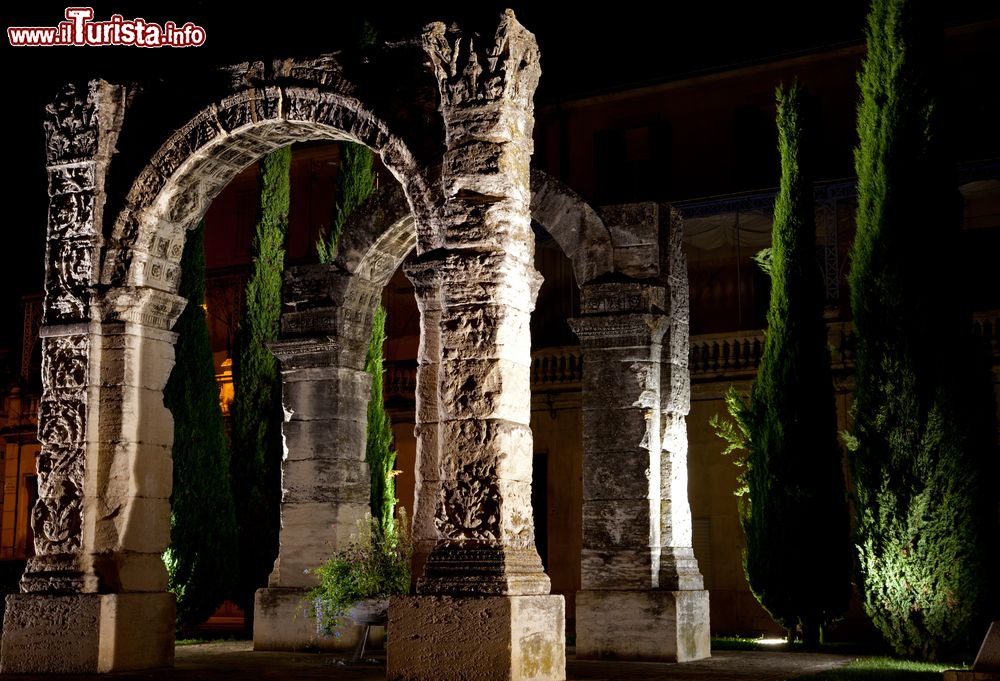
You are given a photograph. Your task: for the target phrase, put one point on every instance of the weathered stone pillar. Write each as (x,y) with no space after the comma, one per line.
(325,483)
(483,609)
(427,289)
(93,597)
(643,596)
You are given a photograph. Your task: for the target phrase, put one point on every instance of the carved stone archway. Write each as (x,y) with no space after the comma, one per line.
(130,172)
(93,597)
(638,565)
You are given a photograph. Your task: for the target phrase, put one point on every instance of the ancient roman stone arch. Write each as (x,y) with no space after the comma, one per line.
(130,171)
(638,567)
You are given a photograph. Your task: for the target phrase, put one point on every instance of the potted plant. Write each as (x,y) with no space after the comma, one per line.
(358,579)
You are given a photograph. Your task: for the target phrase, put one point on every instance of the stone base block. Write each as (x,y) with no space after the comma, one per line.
(87,633)
(988,659)
(487,638)
(283,620)
(662,626)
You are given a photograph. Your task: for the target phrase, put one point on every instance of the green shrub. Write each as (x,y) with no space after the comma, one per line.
(375,564)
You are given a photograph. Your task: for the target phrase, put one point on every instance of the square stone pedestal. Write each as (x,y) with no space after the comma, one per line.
(987,664)
(662,626)
(87,633)
(283,621)
(488,638)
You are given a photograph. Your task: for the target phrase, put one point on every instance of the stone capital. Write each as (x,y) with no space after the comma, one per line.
(611,298)
(144,306)
(473,73)
(620,330)
(317,352)
(82,121)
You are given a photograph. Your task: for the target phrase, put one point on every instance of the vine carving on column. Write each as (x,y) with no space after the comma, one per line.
(468,506)
(57,517)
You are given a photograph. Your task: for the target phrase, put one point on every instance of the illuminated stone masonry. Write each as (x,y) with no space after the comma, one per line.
(638,566)
(94,597)
(473,402)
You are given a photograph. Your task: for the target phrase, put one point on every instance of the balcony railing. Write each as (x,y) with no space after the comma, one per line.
(556,367)
(712,356)
(737,354)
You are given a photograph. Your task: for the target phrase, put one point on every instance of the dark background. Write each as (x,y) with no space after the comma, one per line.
(582,52)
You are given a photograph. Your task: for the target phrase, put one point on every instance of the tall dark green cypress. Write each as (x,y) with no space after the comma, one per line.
(798,557)
(923,440)
(355,183)
(256,410)
(201,560)
(379,454)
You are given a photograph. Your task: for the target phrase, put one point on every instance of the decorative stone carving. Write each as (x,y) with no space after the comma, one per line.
(62,418)
(472,202)
(72,215)
(75,178)
(146,306)
(507,71)
(56,519)
(68,279)
(71,129)
(475,297)
(81,127)
(468,505)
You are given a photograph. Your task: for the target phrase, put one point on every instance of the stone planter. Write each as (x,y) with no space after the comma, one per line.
(367,613)
(370,612)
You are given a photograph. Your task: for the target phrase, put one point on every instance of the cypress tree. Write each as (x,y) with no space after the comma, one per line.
(256,410)
(356,178)
(798,558)
(355,183)
(201,560)
(923,441)
(379,453)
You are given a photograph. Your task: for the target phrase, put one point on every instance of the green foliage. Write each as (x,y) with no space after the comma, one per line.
(355,183)
(256,410)
(764,258)
(375,564)
(735,432)
(924,451)
(379,454)
(882,669)
(202,554)
(794,511)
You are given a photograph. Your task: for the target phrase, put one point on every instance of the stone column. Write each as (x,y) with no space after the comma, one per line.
(93,597)
(678,566)
(642,595)
(482,608)
(325,482)
(427,289)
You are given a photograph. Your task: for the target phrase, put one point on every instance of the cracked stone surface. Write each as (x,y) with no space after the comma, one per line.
(465,202)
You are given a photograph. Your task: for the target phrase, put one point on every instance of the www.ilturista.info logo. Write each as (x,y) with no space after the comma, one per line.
(80,29)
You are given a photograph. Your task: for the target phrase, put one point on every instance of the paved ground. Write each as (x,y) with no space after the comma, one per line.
(235,661)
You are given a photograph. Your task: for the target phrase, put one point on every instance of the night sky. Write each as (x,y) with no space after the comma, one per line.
(582,53)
